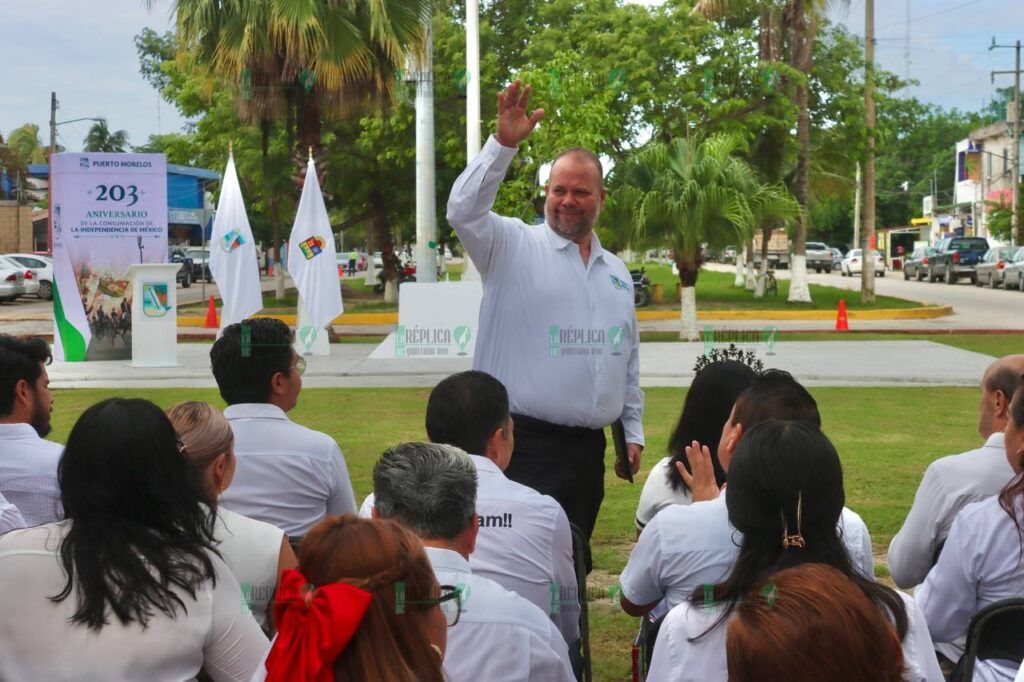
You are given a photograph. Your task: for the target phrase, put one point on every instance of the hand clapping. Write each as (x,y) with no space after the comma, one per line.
(513,123)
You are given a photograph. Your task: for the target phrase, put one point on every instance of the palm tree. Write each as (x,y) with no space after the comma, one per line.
(100,139)
(691,192)
(301,63)
(789,26)
(25,143)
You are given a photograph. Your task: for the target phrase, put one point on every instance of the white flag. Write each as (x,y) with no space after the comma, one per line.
(312,261)
(233,259)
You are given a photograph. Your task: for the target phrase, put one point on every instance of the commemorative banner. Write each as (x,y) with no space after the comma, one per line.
(109,211)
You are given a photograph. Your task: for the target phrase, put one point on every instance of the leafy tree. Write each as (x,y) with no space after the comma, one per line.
(691,192)
(101,139)
(26,144)
(1000,213)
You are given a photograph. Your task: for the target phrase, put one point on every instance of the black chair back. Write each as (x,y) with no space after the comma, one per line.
(995,633)
(579,557)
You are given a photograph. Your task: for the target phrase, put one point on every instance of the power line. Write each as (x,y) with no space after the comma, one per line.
(940,13)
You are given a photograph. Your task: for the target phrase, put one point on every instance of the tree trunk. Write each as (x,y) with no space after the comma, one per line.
(275,215)
(803,34)
(689,269)
(741,259)
(749,285)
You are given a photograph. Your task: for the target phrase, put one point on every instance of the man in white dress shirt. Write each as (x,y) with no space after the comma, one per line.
(28,463)
(286,475)
(951,483)
(500,637)
(524,543)
(557,322)
(684,547)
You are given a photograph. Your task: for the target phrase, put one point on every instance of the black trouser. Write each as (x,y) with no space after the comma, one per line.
(565,462)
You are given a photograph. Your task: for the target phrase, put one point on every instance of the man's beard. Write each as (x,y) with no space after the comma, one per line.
(581,228)
(40,421)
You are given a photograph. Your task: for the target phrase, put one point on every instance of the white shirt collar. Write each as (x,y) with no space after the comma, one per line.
(19,430)
(996,440)
(485,465)
(447,560)
(560,242)
(257,410)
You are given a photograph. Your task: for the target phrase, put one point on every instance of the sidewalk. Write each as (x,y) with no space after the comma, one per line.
(831,363)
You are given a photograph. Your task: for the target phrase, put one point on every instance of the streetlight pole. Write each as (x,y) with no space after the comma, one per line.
(470,273)
(426,199)
(867,269)
(1015,235)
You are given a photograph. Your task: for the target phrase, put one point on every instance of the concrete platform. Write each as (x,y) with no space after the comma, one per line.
(833,363)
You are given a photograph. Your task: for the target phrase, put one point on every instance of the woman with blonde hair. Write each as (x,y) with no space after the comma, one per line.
(364,606)
(256,552)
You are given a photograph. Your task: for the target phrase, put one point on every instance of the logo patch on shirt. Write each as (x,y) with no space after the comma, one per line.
(619,284)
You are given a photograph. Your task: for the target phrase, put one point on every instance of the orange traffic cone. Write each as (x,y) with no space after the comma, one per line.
(841,323)
(211,316)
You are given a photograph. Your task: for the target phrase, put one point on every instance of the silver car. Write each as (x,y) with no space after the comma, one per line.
(991,269)
(1013,273)
(30,278)
(42,270)
(12,281)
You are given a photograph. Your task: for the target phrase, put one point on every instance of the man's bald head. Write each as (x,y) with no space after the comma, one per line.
(999,383)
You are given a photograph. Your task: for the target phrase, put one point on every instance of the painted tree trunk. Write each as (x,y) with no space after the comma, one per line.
(688,314)
(799,290)
(391,291)
(741,259)
(750,265)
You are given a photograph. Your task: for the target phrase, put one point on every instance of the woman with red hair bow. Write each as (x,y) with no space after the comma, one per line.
(364,605)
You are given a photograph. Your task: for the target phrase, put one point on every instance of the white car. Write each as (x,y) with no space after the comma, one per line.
(12,281)
(29,277)
(851,265)
(42,273)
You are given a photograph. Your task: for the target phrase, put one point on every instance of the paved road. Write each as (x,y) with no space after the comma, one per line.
(973,307)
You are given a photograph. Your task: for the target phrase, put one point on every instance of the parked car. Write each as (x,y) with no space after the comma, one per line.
(837,258)
(200,258)
(729,254)
(852,264)
(956,257)
(176,254)
(916,265)
(12,281)
(31,279)
(41,268)
(992,267)
(1013,273)
(819,257)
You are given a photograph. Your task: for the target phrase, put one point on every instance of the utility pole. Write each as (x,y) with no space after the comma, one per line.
(53,124)
(1013,119)
(856,209)
(426,199)
(867,269)
(470,273)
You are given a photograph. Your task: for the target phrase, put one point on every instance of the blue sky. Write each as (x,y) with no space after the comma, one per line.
(89,59)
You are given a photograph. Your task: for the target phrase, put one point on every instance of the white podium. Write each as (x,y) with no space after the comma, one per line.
(154,314)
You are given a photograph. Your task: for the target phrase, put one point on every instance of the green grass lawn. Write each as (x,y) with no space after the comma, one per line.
(885,436)
(715,291)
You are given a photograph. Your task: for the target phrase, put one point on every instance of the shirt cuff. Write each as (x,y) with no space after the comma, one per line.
(495,153)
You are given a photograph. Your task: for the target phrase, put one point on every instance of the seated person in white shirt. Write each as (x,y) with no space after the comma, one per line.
(685,547)
(10,517)
(256,552)
(500,637)
(286,475)
(952,482)
(718,380)
(807,624)
(524,543)
(785,495)
(129,585)
(28,464)
(981,561)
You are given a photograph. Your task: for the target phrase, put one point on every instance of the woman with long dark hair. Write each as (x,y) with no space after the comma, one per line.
(128,586)
(364,605)
(983,559)
(785,495)
(708,402)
